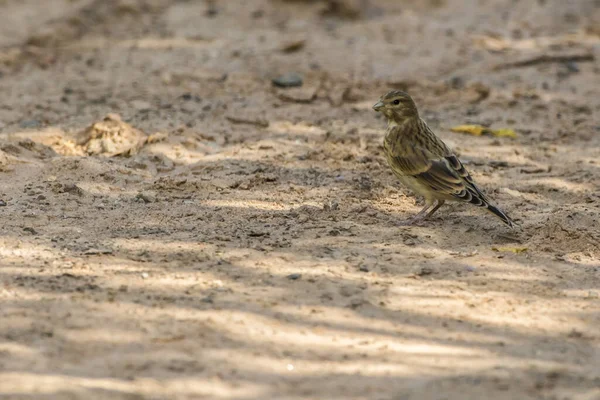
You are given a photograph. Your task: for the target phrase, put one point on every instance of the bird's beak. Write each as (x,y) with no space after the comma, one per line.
(378,106)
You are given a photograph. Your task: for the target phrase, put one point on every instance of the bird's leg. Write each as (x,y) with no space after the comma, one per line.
(421,215)
(438,204)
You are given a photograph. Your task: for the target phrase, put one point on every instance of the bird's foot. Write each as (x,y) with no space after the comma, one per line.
(411,222)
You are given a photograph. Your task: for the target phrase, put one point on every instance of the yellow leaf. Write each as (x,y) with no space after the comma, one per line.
(504,133)
(516,250)
(476,130)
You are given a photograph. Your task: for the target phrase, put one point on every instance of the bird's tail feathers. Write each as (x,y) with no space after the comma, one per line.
(500,214)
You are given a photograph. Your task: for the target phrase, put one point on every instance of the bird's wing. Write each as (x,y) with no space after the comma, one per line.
(443,174)
(440,170)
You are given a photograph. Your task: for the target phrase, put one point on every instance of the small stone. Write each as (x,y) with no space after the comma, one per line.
(145,275)
(294,277)
(73,189)
(293,45)
(424,271)
(30,230)
(2,203)
(456,82)
(363,268)
(572,67)
(95,252)
(356,303)
(30,123)
(575,334)
(146,197)
(291,79)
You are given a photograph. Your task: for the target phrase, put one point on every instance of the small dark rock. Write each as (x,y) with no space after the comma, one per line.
(212,12)
(257,233)
(73,189)
(498,164)
(575,334)
(146,197)
(3,203)
(291,79)
(294,277)
(572,67)
(87,287)
(456,82)
(363,268)
(94,252)
(356,303)
(364,183)
(30,123)
(30,230)
(424,271)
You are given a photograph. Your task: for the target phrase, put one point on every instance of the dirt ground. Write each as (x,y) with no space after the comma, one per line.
(174,226)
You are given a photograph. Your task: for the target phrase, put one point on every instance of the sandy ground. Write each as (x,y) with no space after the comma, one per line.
(216,237)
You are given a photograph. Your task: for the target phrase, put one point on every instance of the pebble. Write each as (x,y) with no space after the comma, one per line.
(572,67)
(424,271)
(294,277)
(291,79)
(97,251)
(30,230)
(145,275)
(2,203)
(30,123)
(73,189)
(146,197)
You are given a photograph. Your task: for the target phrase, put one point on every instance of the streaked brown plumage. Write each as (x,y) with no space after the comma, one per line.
(423,162)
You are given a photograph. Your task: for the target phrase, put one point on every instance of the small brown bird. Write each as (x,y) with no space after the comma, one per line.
(423,162)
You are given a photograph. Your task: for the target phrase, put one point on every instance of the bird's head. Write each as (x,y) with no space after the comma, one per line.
(397,106)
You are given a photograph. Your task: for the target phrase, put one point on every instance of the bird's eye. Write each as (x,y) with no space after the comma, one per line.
(396,102)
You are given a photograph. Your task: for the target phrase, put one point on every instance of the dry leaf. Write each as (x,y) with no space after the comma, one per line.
(516,250)
(478,130)
(504,133)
